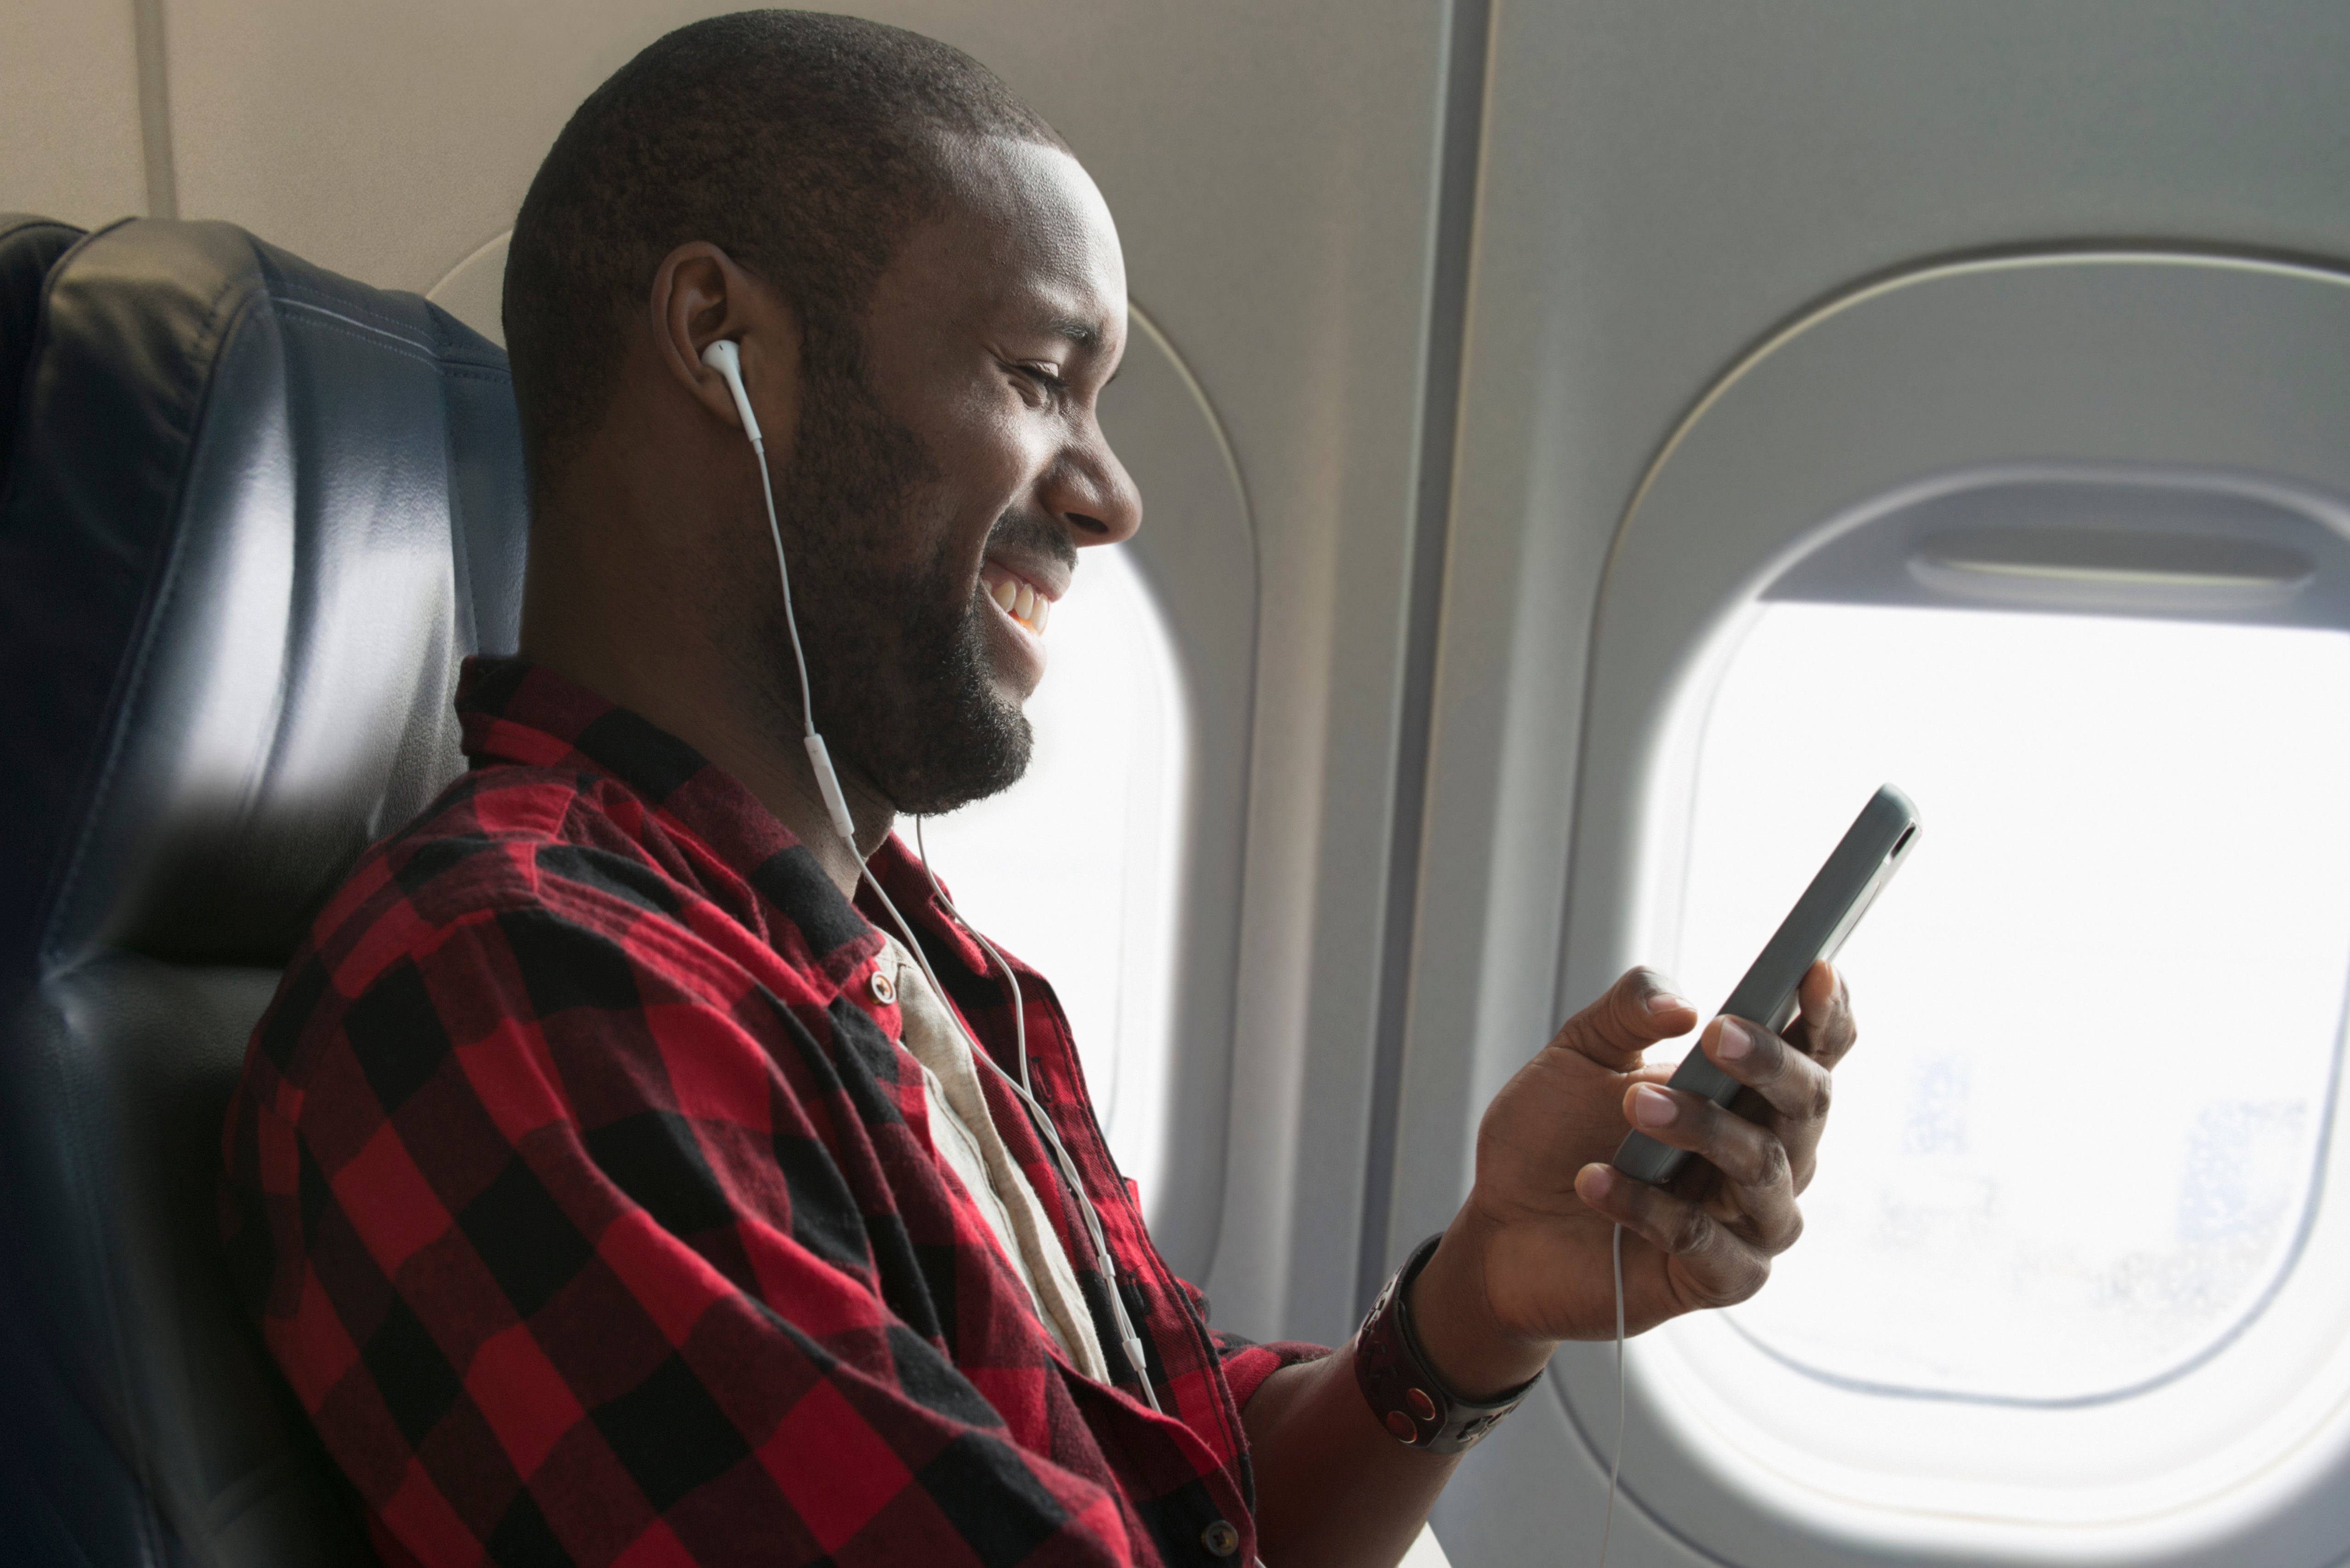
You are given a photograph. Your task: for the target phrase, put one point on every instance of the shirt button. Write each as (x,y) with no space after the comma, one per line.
(1221,1539)
(884,990)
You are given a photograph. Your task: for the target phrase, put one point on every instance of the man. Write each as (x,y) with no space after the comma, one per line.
(610,1179)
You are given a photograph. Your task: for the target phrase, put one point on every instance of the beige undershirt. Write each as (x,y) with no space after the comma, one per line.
(965,1136)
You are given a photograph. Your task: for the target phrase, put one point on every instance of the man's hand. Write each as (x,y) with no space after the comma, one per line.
(1525,1263)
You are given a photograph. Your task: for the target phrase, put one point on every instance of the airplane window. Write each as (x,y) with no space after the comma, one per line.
(1076,869)
(2080,1148)
(2116,972)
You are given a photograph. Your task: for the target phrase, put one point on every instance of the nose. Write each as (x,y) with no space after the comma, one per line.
(1091,493)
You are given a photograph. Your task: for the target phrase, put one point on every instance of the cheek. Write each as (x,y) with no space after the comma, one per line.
(996,439)
(985,452)
(1006,452)
(993,472)
(935,543)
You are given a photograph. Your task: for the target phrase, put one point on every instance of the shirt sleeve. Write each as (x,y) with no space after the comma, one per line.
(550,1237)
(1247,1364)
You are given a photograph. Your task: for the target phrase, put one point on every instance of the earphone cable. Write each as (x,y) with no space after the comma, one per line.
(1616,1464)
(1019,1014)
(1130,1342)
(784,571)
(1129,1339)
(722,356)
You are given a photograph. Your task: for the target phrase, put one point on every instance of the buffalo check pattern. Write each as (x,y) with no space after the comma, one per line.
(586,1199)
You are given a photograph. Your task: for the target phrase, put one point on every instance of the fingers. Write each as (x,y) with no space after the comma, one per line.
(1719,1235)
(1824,1029)
(1759,1203)
(1712,1265)
(1636,1012)
(1794,1085)
(1797,1087)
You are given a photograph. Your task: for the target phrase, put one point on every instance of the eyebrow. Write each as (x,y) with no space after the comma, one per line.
(1083,334)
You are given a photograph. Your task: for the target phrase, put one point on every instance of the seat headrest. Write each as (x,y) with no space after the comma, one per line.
(261,513)
(29,246)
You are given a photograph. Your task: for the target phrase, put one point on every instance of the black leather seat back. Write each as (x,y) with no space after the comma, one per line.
(263,514)
(29,246)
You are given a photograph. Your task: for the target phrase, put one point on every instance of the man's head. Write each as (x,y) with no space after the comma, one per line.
(927,294)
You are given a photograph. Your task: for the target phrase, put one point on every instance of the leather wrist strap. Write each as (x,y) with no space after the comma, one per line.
(1410,1401)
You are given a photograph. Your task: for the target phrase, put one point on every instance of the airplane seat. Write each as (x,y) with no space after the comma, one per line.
(266,512)
(29,246)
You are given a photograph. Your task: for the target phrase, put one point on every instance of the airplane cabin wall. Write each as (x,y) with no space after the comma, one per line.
(1664,187)
(70,114)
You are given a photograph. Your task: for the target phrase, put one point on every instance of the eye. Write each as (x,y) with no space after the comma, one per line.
(1045,379)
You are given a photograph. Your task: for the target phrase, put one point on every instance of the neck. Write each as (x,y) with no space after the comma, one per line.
(811,823)
(644,643)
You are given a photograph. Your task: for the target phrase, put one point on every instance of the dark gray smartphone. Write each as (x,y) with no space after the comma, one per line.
(1874,848)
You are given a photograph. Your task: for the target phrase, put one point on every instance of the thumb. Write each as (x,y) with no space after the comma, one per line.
(1640,1009)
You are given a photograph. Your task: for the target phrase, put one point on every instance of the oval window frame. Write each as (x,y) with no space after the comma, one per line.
(2150,365)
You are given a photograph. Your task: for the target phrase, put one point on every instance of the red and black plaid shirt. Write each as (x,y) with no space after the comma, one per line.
(588,1203)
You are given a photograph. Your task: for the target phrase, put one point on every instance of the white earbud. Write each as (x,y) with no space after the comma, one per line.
(725,358)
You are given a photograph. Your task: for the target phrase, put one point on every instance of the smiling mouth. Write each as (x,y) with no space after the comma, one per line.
(1018,599)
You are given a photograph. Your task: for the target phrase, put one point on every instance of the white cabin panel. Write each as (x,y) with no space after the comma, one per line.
(2127,408)
(70,115)
(1664,190)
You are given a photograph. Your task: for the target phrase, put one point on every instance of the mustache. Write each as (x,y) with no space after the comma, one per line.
(1025,530)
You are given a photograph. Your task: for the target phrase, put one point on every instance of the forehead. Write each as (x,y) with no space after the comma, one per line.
(1025,235)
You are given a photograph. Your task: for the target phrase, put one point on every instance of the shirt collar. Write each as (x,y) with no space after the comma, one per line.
(512,711)
(903,877)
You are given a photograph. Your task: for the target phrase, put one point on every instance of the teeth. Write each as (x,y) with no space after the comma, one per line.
(1022,602)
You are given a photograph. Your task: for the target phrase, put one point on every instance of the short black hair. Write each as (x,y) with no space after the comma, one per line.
(806,146)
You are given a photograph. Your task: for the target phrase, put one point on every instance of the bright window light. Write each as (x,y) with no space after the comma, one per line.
(2066,1262)
(1077,869)
(2101,1006)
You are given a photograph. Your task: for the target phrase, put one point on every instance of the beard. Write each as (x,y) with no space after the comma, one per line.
(897,653)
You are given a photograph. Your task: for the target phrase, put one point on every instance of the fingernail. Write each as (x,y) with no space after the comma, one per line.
(1593,1181)
(1665,1001)
(1653,1108)
(1733,1041)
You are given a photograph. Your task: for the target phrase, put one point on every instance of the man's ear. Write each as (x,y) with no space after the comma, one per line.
(701,295)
